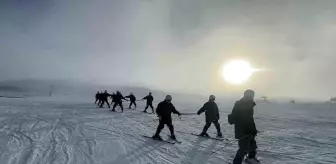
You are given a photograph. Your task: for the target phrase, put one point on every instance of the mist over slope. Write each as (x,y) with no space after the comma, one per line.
(34,87)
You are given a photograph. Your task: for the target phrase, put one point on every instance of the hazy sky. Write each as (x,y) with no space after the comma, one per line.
(175,45)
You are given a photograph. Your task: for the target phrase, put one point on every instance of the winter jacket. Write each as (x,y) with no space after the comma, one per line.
(104,96)
(131,97)
(242,118)
(164,110)
(118,98)
(149,99)
(113,97)
(211,111)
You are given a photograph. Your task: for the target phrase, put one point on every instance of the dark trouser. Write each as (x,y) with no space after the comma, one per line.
(118,103)
(161,126)
(248,146)
(132,102)
(96,100)
(149,105)
(103,102)
(208,124)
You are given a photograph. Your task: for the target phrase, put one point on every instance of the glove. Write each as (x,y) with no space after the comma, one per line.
(198,113)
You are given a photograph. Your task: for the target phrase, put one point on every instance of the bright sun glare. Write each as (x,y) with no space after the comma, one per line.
(237,71)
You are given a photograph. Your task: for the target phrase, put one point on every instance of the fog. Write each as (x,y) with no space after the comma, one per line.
(173,45)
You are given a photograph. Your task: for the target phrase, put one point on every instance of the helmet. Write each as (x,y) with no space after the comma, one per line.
(168,98)
(212,98)
(249,94)
(150,93)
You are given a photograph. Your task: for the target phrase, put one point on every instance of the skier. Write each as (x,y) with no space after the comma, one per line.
(149,102)
(113,98)
(245,129)
(97,97)
(164,110)
(132,99)
(104,97)
(118,101)
(211,116)
(100,99)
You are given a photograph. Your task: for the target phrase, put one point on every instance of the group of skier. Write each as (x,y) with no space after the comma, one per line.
(241,117)
(117,100)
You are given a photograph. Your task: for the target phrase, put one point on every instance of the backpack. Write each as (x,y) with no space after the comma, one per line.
(231,119)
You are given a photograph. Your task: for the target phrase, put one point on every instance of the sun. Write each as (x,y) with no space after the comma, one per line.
(237,71)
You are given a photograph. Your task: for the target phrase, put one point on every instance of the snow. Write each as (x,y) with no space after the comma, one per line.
(71,130)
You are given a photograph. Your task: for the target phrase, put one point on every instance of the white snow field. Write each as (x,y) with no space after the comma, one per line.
(62,130)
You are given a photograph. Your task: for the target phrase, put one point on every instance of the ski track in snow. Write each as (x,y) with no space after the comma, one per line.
(34,131)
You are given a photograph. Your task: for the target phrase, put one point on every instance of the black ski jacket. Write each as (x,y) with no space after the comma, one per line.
(242,117)
(131,97)
(104,96)
(118,98)
(164,109)
(211,111)
(149,99)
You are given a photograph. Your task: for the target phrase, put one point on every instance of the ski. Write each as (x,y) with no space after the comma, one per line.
(147,112)
(214,138)
(116,111)
(177,141)
(170,142)
(249,162)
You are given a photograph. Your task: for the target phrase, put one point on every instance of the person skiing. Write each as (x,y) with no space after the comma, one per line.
(113,95)
(164,110)
(97,97)
(104,97)
(118,101)
(100,99)
(132,99)
(149,102)
(211,116)
(245,129)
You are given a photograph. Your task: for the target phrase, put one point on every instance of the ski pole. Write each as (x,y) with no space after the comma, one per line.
(151,121)
(188,113)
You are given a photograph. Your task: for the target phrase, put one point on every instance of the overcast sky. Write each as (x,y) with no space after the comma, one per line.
(177,45)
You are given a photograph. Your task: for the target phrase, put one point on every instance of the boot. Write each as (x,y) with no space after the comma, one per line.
(113,110)
(173,137)
(157,137)
(252,161)
(204,134)
(219,134)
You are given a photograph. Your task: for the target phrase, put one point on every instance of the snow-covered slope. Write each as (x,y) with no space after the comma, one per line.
(63,130)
